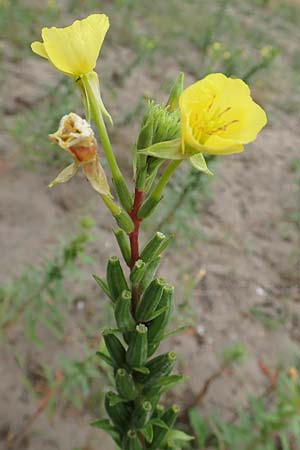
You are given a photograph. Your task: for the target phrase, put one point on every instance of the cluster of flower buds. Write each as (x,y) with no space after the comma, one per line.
(134,408)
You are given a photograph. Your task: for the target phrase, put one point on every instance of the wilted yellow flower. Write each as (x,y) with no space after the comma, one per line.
(77,137)
(218,116)
(74,50)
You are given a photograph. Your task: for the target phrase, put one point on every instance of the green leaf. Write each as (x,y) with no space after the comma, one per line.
(165,150)
(105,358)
(104,424)
(175,332)
(199,163)
(148,432)
(142,370)
(158,312)
(178,435)
(200,428)
(159,423)
(103,285)
(170,381)
(115,400)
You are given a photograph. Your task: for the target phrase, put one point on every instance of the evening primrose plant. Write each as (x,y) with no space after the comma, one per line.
(214,116)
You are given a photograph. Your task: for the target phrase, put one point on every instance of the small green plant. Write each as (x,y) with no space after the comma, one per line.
(268,423)
(37,297)
(204,118)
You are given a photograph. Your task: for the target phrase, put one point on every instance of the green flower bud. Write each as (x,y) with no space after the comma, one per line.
(150,300)
(123,315)
(115,278)
(115,348)
(149,251)
(119,413)
(150,272)
(159,366)
(122,240)
(132,441)
(142,414)
(157,327)
(137,352)
(160,433)
(137,272)
(125,385)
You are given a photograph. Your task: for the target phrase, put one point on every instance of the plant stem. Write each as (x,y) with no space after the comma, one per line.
(134,240)
(158,190)
(134,236)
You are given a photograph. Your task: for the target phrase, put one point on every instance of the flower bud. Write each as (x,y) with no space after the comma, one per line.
(138,348)
(150,300)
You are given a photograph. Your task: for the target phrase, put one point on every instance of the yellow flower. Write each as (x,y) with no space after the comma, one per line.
(76,136)
(74,50)
(218,116)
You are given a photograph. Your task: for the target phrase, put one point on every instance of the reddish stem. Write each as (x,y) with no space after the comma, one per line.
(134,235)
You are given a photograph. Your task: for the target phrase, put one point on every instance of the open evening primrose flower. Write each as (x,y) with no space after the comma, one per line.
(77,137)
(218,116)
(74,50)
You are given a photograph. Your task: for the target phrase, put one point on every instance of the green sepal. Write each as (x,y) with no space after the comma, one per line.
(151,248)
(131,441)
(150,300)
(123,315)
(115,348)
(146,134)
(141,414)
(199,163)
(158,325)
(122,240)
(159,366)
(125,385)
(103,285)
(165,150)
(160,433)
(137,352)
(123,193)
(119,413)
(150,272)
(115,278)
(176,91)
(137,272)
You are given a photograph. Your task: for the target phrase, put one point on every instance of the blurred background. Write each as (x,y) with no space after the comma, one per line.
(235,260)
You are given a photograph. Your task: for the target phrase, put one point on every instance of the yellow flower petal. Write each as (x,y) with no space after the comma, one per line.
(216,145)
(218,116)
(74,50)
(39,49)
